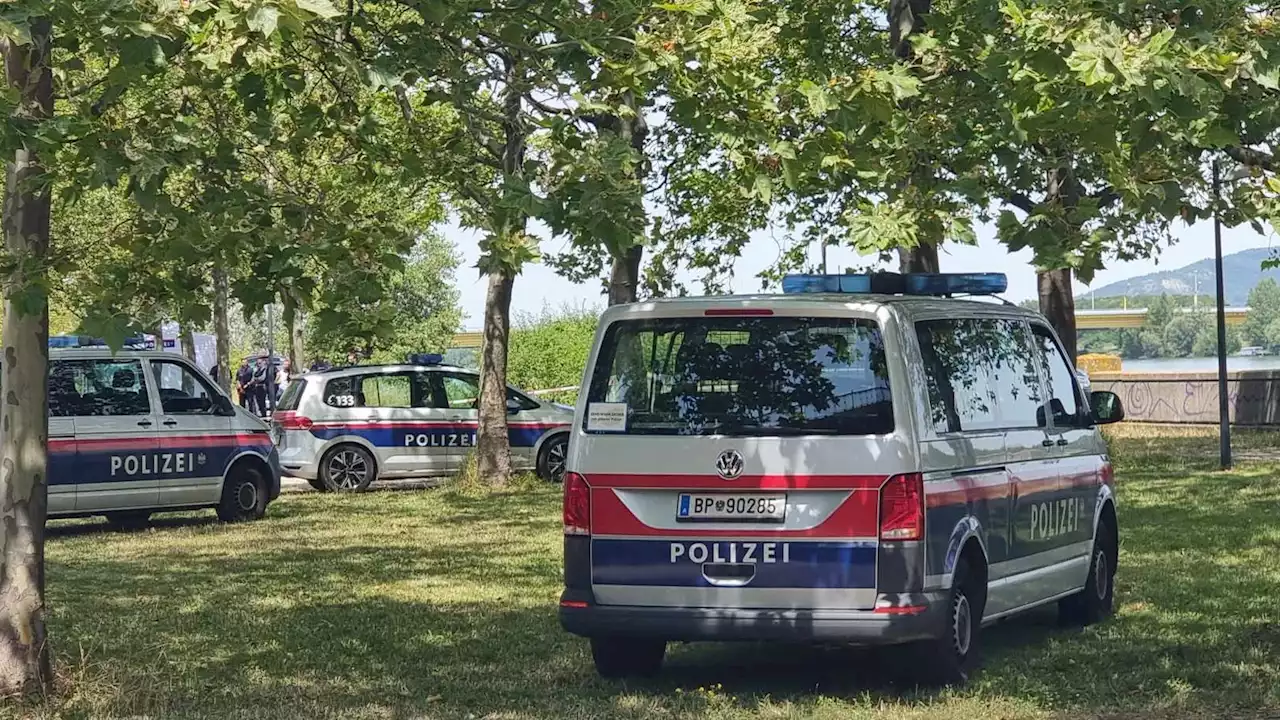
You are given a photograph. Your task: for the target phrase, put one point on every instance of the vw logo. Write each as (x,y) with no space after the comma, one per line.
(729,464)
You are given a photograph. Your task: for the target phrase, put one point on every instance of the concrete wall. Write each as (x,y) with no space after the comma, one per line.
(1192,397)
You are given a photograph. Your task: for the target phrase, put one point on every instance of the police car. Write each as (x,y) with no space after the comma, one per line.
(863,459)
(134,433)
(342,429)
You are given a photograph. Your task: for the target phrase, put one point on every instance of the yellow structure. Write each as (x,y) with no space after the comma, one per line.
(1107,319)
(1098,363)
(467,340)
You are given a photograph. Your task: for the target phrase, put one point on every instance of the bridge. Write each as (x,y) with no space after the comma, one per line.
(1134,317)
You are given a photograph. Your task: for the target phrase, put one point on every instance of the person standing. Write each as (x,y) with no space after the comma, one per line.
(258,388)
(244,376)
(282,380)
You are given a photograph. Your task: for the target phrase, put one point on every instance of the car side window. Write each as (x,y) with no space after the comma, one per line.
(461,392)
(97,388)
(182,391)
(979,374)
(386,391)
(1064,400)
(342,392)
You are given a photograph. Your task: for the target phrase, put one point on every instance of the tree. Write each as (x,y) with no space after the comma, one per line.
(415,311)
(1264,309)
(1160,312)
(114,46)
(24,650)
(1179,336)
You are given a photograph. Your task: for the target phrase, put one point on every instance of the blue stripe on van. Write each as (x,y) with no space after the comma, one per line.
(135,461)
(778,563)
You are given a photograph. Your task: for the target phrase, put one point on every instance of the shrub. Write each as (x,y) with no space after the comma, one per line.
(549,349)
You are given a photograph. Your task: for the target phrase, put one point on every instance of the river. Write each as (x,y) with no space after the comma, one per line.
(1200,364)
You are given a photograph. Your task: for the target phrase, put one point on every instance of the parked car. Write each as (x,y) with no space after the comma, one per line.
(342,429)
(139,432)
(861,459)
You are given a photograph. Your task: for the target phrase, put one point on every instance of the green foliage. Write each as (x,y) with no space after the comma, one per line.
(414,311)
(549,349)
(1264,311)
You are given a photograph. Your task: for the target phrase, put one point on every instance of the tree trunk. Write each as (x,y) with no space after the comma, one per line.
(294,328)
(624,277)
(1059,305)
(24,420)
(189,343)
(221,328)
(624,274)
(493,448)
(922,258)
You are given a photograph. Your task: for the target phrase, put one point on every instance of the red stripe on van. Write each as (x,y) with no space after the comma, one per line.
(968,494)
(742,483)
(857,517)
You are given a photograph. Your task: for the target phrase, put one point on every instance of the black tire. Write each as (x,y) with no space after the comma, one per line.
(244,495)
(317,484)
(623,657)
(129,520)
(347,468)
(953,656)
(552,457)
(1096,602)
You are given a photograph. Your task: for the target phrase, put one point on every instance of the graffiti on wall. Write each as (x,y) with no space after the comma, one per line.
(1179,399)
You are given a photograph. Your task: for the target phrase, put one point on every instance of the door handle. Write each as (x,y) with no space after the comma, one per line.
(1047,443)
(144,423)
(1062,442)
(169,422)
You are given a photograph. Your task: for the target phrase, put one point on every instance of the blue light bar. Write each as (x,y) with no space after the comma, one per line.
(895,284)
(952,283)
(425,359)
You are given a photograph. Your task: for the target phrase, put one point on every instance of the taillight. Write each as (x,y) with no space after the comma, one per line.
(577,505)
(1108,474)
(290,420)
(902,507)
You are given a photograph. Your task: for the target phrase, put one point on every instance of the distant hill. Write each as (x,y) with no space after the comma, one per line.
(1240,271)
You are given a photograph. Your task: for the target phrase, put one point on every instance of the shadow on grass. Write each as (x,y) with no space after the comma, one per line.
(443,606)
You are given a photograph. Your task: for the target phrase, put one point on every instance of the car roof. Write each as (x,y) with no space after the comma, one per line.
(346,370)
(912,304)
(101,351)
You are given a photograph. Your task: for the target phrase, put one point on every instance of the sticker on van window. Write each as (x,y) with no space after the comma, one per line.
(607,417)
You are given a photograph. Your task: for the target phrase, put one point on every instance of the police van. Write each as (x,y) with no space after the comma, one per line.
(863,458)
(342,429)
(134,433)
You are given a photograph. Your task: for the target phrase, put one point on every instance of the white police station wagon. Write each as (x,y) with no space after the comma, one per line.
(134,433)
(860,459)
(342,429)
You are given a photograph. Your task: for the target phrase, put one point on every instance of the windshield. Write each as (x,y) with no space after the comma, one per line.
(742,376)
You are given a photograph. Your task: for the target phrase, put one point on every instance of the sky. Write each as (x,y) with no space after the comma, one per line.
(539,287)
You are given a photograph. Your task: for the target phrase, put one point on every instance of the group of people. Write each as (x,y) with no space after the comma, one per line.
(253,383)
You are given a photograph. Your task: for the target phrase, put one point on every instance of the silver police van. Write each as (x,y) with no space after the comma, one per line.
(342,429)
(862,459)
(134,433)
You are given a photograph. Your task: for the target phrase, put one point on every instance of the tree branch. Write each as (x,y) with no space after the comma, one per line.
(1254,158)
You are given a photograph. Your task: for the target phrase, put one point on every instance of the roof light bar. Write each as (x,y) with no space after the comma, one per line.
(898,284)
(425,359)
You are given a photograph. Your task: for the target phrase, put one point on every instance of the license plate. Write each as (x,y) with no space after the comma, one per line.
(732,507)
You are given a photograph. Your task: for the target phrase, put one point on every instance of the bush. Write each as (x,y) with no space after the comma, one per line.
(549,349)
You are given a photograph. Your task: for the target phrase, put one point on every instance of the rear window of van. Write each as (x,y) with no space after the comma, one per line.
(744,376)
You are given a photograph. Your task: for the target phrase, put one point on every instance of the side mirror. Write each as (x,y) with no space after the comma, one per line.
(513,406)
(1106,407)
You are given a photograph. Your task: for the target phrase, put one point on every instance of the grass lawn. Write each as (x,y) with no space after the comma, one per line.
(435,603)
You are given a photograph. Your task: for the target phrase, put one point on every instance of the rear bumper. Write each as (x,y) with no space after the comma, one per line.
(679,623)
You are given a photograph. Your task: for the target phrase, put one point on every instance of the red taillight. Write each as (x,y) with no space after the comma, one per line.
(902,508)
(290,420)
(1108,474)
(577,505)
